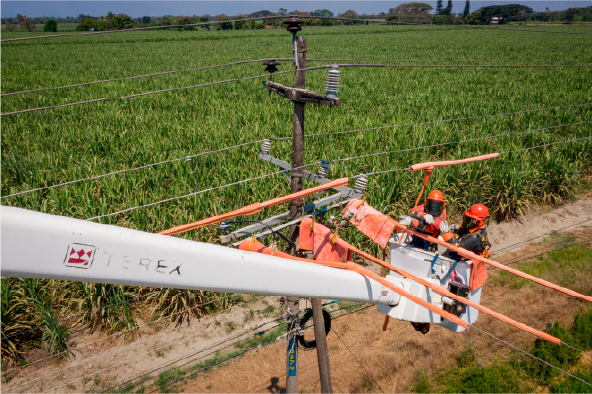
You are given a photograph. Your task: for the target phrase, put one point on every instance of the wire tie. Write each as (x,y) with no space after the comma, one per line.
(334,237)
(361,202)
(253,239)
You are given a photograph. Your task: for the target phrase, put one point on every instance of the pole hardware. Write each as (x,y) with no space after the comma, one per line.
(332,85)
(324,168)
(265,147)
(271,68)
(360,185)
(301,96)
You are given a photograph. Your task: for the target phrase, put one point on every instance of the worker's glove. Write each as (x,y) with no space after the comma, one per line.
(405,220)
(429,219)
(454,228)
(444,228)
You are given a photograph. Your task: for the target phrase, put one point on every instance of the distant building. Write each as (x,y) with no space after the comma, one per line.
(495,20)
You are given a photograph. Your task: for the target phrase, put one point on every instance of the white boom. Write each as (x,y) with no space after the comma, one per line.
(39,245)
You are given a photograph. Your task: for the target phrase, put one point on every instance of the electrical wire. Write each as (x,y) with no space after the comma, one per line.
(262,60)
(203,191)
(525,30)
(513,190)
(84,313)
(448,120)
(285,138)
(299,70)
(530,355)
(130,344)
(114,334)
(540,236)
(212,23)
(358,361)
(461,142)
(129,358)
(521,258)
(240,354)
(203,207)
(513,151)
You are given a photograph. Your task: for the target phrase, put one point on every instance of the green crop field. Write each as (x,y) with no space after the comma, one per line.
(52,146)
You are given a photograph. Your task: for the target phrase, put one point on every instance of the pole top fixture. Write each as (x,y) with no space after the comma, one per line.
(271,66)
(294,23)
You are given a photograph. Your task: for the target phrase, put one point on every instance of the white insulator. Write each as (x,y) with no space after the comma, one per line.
(360,185)
(266,147)
(332,86)
(324,168)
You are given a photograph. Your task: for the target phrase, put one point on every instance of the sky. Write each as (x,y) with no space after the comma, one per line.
(172,7)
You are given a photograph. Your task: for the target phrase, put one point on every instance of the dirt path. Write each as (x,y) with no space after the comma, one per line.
(393,357)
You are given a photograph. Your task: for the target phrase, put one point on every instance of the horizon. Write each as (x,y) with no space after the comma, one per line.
(135,9)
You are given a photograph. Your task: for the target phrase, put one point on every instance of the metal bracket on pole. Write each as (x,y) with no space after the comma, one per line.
(300,95)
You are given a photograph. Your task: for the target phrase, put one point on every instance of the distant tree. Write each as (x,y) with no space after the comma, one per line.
(260,14)
(224,25)
(475,18)
(282,12)
(505,12)
(10,27)
(350,14)
(439,7)
(239,25)
(381,15)
(50,25)
(414,8)
(448,9)
(87,24)
(122,21)
(323,12)
(467,9)
(570,14)
(146,20)
(185,21)
(26,23)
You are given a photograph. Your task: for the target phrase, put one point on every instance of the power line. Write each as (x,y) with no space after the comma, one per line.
(358,361)
(84,313)
(531,355)
(128,330)
(284,138)
(240,354)
(127,359)
(540,236)
(211,23)
(525,30)
(460,142)
(200,192)
(256,61)
(131,344)
(291,71)
(513,190)
(448,120)
(501,153)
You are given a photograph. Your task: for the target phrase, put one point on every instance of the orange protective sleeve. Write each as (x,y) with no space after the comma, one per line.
(447,236)
(432,164)
(254,208)
(443,292)
(472,256)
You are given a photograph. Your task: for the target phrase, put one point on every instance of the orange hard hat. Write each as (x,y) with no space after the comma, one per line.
(475,217)
(434,203)
(436,195)
(479,210)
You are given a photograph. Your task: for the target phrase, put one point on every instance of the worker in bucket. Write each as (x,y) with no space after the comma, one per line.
(428,218)
(472,234)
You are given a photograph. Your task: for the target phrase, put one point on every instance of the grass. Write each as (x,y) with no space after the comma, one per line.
(53,146)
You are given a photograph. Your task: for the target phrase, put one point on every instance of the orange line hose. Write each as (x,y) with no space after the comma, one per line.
(258,247)
(472,256)
(443,292)
(433,164)
(254,208)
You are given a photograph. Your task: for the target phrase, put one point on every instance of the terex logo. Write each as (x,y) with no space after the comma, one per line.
(80,256)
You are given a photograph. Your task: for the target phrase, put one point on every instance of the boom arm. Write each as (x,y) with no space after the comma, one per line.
(39,245)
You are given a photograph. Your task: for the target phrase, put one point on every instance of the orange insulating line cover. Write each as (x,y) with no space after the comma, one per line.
(254,208)
(260,248)
(256,246)
(433,164)
(470,255)
(443,292)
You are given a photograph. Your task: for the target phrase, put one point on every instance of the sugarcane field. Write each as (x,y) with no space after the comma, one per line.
(365,197)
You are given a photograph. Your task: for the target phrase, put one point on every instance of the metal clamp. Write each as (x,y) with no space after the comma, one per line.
(298,202)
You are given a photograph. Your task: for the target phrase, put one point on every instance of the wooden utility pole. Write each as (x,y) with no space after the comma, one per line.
(322,349)
(296,209)
(298,138)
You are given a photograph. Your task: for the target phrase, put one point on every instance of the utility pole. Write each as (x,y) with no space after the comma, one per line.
(322,348)
(299,48)
(299,95)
